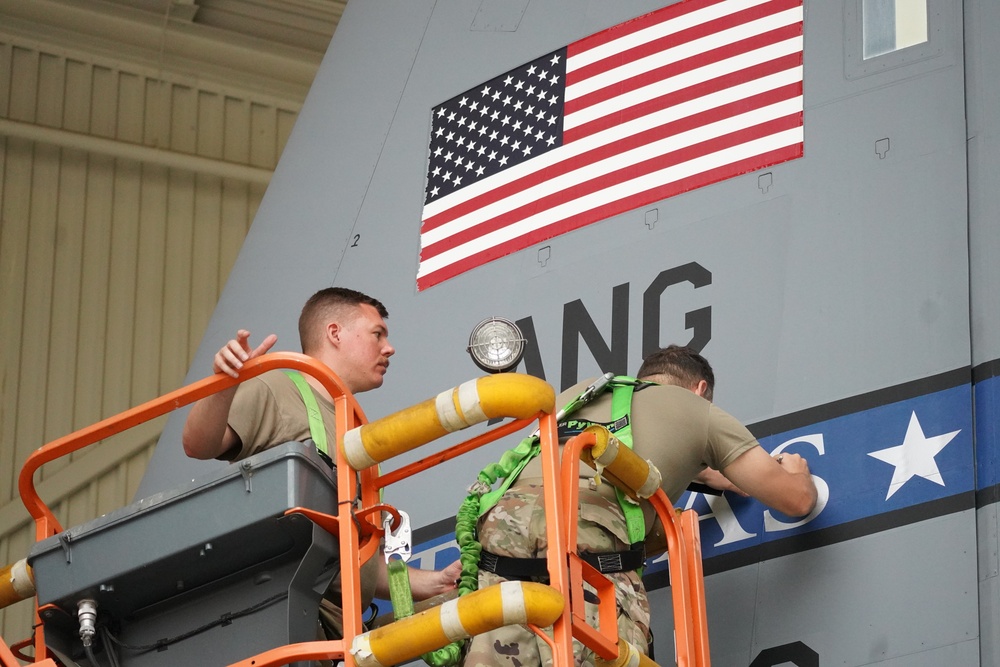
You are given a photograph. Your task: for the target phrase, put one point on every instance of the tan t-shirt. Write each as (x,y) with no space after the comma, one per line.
(268,410)
(680,432)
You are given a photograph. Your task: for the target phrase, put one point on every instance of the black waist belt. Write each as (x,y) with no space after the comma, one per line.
(525,568)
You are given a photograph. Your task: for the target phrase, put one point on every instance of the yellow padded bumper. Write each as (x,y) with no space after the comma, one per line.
(621,466)
(506,395)
(16,583)
(628,656)
(507,603)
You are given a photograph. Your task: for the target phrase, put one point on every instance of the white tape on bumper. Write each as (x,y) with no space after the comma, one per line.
(447,413)
(468,398)
(354,450)
(512,595)
(652,482)
(361,649)
(20,579)
(451,624)
(468,412)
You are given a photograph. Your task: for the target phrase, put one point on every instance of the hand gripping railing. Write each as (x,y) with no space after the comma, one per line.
(349,415)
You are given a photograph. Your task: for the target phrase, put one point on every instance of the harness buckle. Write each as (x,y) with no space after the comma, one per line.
(609,562)
(488,561)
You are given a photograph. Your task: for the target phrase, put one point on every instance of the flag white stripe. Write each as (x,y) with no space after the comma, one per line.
(612,135)
(600,168)
(684,80)
(659,30)
(611,194)
(616,75)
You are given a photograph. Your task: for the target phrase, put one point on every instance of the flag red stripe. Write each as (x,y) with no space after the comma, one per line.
(623,205)
(622,175)
(683,66)
(641,23)
(674,40)
(676,97)
(602,152)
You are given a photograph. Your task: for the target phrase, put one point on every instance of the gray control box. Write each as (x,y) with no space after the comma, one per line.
(208,573)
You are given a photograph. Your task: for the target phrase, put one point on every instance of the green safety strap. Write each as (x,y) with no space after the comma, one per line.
(399,575)
(509,468)
(482,497)
(316,428)
(402,607)
(399,588)
(621,408)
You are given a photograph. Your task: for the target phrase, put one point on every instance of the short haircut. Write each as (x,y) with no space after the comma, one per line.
(684,364)
(326,305)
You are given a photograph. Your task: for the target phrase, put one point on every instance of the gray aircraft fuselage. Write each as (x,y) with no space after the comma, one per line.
(843,289)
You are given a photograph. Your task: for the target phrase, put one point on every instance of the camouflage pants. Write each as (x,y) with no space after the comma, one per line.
(515,527)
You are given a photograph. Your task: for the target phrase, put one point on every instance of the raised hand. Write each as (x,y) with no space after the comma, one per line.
(230,358)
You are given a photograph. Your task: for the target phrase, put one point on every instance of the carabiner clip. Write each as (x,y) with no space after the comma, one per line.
(398,542)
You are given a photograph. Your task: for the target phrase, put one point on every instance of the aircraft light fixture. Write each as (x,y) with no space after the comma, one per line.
(496,345)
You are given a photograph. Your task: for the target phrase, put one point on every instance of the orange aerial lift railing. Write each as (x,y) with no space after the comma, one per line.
(362,446)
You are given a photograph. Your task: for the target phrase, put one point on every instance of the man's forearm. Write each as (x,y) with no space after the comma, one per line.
(204,435)
(428,583)
(424,584)
(809,493)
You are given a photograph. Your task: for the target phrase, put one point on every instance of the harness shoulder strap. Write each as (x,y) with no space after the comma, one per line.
(621,409)
(317,431)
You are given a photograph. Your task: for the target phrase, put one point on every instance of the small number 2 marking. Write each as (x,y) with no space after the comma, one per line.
(357,237)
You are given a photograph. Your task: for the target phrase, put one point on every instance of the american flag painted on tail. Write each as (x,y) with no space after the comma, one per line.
(688,95)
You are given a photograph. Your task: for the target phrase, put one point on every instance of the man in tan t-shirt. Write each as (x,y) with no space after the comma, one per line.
(677,427)
(345,330)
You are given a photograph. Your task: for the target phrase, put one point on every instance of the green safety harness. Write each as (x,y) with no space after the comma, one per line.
(482,497)
(621,426)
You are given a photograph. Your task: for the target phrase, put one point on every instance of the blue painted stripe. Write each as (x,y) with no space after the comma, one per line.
(987,433)
(854,484)
(924,459)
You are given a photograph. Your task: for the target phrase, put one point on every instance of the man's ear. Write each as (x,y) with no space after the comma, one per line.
(333,331)
(701,388)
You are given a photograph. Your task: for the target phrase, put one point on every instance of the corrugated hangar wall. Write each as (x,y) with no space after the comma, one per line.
(125,193)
